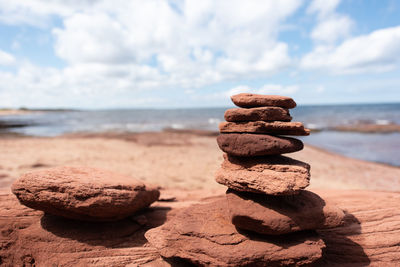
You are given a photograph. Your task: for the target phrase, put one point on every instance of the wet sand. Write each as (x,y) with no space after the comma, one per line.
(178,161)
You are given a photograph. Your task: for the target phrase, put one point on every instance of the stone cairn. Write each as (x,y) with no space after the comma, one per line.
(266,218)
(266,190)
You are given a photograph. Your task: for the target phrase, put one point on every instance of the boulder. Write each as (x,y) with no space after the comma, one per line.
(257,114)
(250,145)
(277,215)
(83,193)
(274,175)
(246,100)
(275,127)
(204,235)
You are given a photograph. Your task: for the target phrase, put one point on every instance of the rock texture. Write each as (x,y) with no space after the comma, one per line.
(370,235)
(249,145)
(204,235)
(275,127)
(277,215)
(83,193)
(257,114)
(275,175)
(29,238)
(246,100)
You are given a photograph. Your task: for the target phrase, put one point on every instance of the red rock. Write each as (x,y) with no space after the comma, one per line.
(277,215)
(275,127)
(257,114)
(204,235)
(274,175)
(249,145)
(369,236)
(246,100)
(83,193)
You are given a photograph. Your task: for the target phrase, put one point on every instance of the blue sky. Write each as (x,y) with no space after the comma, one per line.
(122,54)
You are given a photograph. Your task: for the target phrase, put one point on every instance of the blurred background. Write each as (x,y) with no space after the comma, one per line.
(144,66)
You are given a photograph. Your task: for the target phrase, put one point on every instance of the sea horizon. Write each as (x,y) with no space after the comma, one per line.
(185,107)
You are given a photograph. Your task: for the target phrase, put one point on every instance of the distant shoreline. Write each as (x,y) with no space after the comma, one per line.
(23,111)
(7,112)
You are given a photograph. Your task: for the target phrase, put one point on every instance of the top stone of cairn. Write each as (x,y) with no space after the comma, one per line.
(247,100)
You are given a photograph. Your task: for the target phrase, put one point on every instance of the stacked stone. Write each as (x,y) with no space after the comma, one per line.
(266,190)
(260,220)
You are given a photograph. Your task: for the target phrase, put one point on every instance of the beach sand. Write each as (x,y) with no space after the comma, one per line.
(8,112)
(173,160)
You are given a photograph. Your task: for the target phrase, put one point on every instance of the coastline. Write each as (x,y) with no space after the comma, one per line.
(179,160)
(8,112)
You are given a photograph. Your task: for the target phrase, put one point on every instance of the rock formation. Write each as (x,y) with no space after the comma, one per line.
(83,193)
(267,217)
(370,237)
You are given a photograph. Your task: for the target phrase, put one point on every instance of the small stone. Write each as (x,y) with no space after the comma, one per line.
(204,235)
(247,100)
(262,127)
(257,114)
(277,215)
(273,175)
(83,193)
(249,145)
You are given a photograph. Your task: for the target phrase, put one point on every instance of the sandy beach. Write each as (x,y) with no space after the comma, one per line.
(8,112)
(174,160)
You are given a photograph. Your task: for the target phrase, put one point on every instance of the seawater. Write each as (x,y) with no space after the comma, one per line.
(376,147)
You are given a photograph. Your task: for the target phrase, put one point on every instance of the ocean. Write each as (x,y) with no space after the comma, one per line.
(377,147)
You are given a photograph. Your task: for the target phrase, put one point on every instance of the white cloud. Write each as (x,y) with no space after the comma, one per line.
(320,89)
(137,45)
(376,52)
(6,58)
(39,12)
(266,89)
(331,26)
(337,51)
(323,7)
(331,29)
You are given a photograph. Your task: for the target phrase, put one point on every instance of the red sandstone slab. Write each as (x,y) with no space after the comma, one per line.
(250,145)
(273,175)
(247,100)
(204,235)
(257,114)
(277,215)
(83,193)
(262,127)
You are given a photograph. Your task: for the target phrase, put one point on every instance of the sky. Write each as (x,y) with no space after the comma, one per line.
(170,54)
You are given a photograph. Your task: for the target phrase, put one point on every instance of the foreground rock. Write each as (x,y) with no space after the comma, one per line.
(275,127)
(249,145)
(369,237)
(276,215)
(257,114)
(246,100)
(204,235)
(274,175)
(83,193)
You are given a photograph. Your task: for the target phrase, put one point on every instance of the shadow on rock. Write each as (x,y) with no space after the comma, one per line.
(340,249)
(128,232)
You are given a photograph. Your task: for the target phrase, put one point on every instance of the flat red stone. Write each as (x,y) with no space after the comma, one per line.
(247,100)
